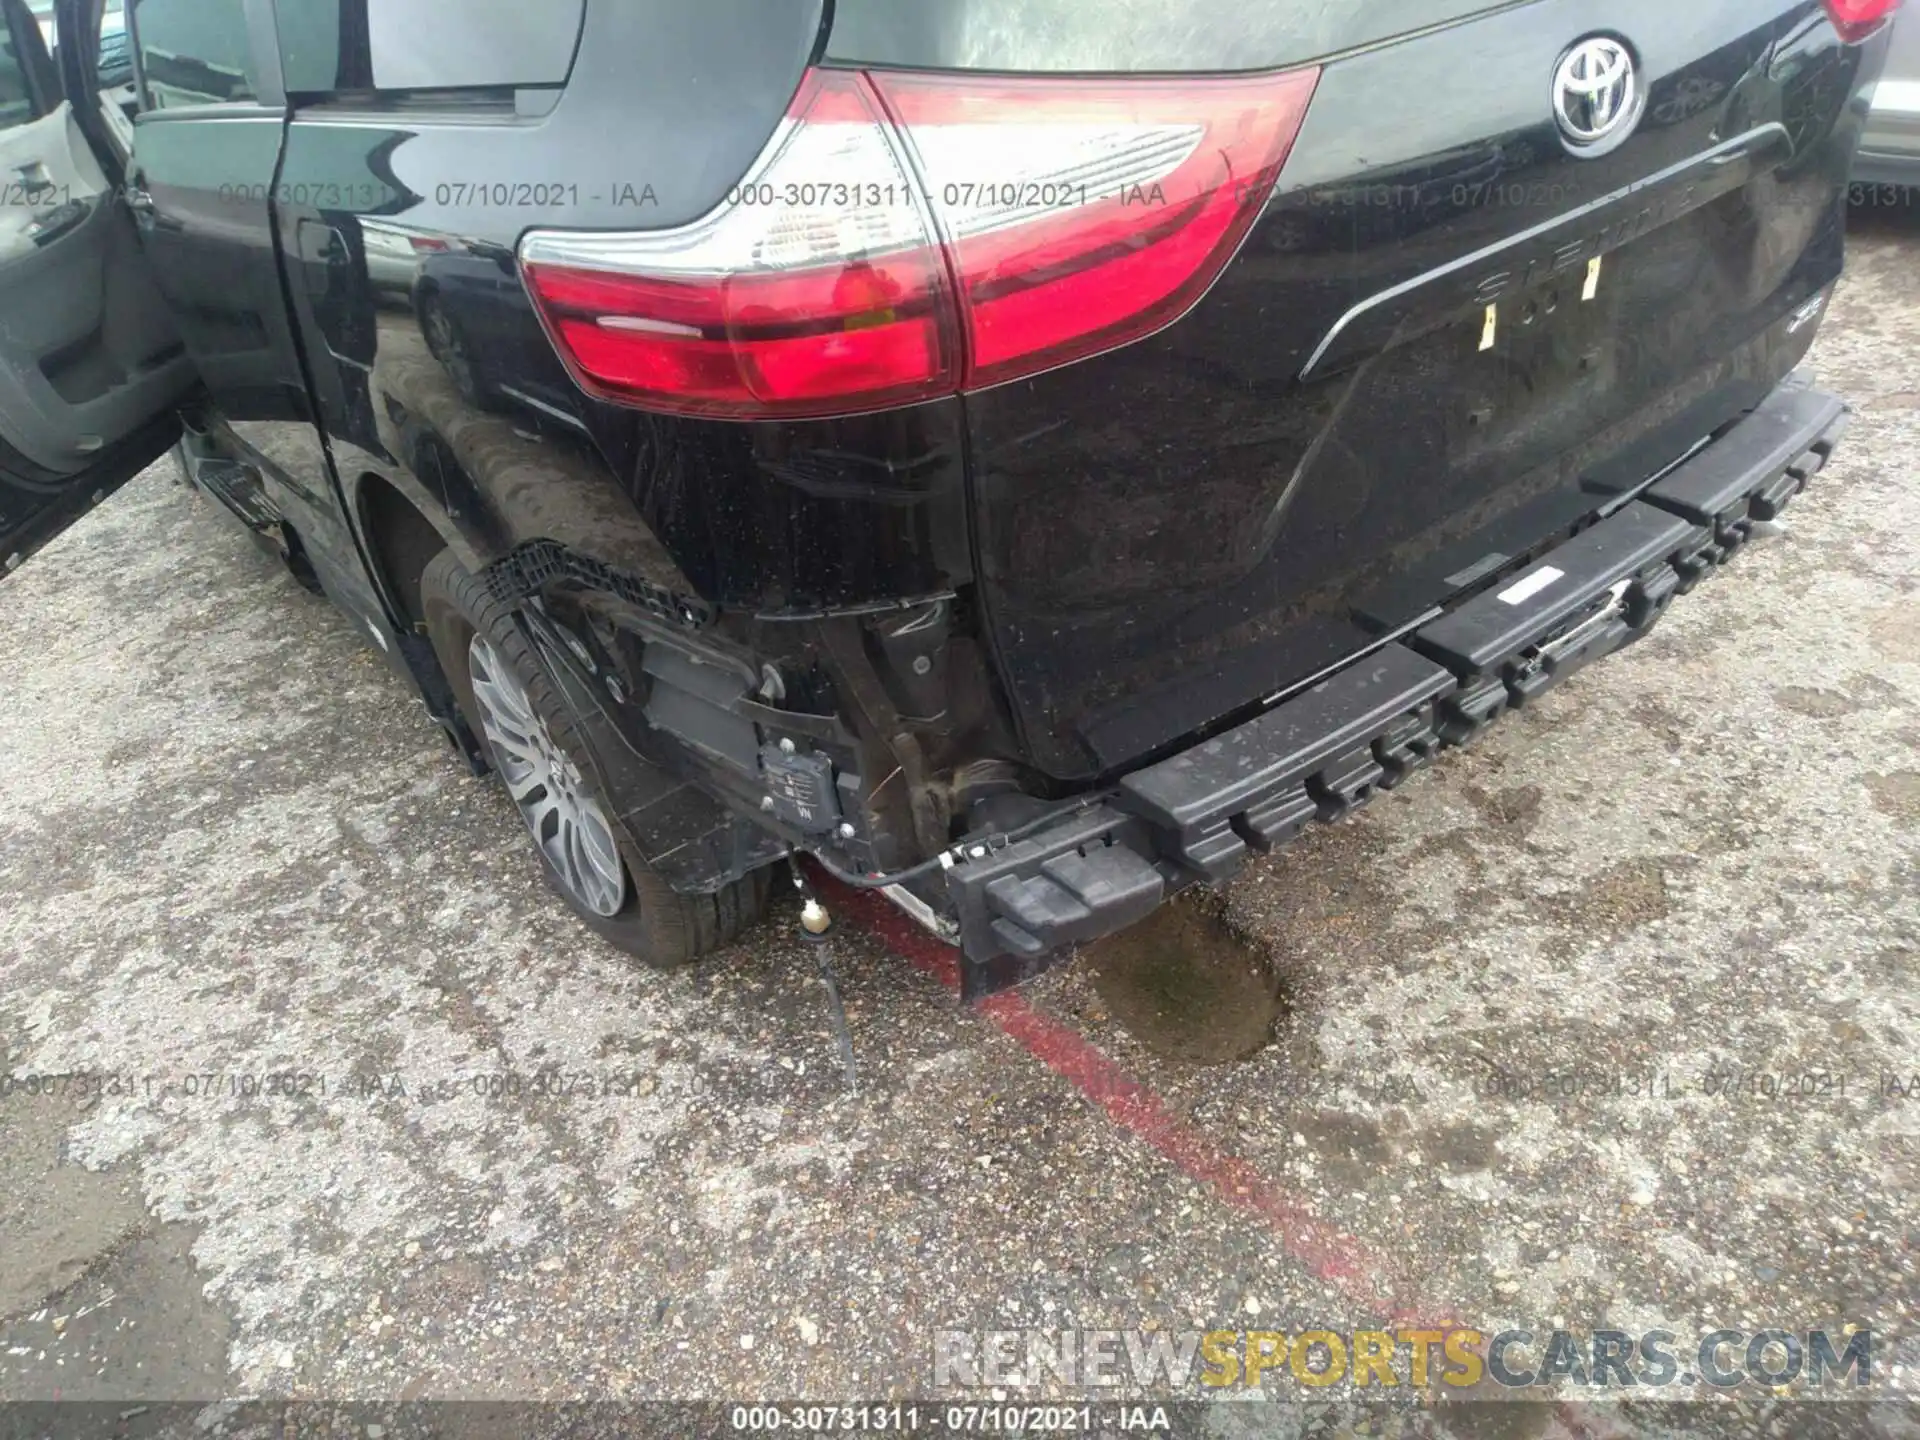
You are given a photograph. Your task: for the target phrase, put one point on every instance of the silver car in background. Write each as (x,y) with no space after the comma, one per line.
(1890,150)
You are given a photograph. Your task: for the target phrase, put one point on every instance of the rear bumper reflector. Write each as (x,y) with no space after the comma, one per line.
(1197,815)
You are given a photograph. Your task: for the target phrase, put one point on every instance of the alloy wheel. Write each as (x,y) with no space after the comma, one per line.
(566,818)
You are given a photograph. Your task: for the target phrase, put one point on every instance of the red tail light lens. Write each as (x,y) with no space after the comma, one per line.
(1857,19)
(905,236)
(1080,215)
(832,303)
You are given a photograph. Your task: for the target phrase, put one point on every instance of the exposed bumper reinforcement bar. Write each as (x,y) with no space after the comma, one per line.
(1322,754)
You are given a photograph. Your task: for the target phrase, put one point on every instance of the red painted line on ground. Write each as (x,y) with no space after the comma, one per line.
(1337,1259)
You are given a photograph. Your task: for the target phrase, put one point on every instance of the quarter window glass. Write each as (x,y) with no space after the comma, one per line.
(496,43)
(194,52)
(330,46)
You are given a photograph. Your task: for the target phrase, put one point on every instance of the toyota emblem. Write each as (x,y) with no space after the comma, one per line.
(1597,95)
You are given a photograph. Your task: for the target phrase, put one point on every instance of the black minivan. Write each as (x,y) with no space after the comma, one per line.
(1027,454)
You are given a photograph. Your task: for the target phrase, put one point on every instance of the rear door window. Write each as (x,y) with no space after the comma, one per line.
(194,52)
(328,47)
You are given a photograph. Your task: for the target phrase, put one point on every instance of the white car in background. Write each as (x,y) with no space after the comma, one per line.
(1890,149)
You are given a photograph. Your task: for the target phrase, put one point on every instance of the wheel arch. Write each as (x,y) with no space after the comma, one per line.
(401,541)
(402,536)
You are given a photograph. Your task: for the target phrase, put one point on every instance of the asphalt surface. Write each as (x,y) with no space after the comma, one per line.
(311,973)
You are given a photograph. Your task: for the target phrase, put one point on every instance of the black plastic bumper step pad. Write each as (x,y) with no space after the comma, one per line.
(1087,876)
(1750,474)
(1600,591)
(1322,753)
(1074,896)
(1318,756)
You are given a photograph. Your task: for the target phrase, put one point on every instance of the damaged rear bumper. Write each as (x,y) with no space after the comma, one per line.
(1198,815)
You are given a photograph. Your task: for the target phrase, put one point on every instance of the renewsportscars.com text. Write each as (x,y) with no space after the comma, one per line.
(1840,1360)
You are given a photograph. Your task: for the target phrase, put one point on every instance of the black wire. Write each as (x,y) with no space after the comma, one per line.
(998,840)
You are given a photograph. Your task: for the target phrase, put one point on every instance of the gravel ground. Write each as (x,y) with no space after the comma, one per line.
(234,849)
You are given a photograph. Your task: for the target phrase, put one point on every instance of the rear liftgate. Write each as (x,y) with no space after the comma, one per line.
(1324,753)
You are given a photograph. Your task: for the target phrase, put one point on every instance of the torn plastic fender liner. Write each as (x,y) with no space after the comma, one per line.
(691,839)
(527,569)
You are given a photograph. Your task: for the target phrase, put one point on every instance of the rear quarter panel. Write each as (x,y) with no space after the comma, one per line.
(666,106)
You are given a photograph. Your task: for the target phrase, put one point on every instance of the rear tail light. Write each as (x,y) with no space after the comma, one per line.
(905,236)
(1857,19)
(811,289)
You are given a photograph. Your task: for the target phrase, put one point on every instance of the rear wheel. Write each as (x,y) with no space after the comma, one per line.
(537,752)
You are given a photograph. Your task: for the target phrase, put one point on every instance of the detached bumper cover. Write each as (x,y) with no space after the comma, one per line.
(1198,815)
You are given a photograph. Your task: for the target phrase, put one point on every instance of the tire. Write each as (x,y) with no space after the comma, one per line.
(653,922)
